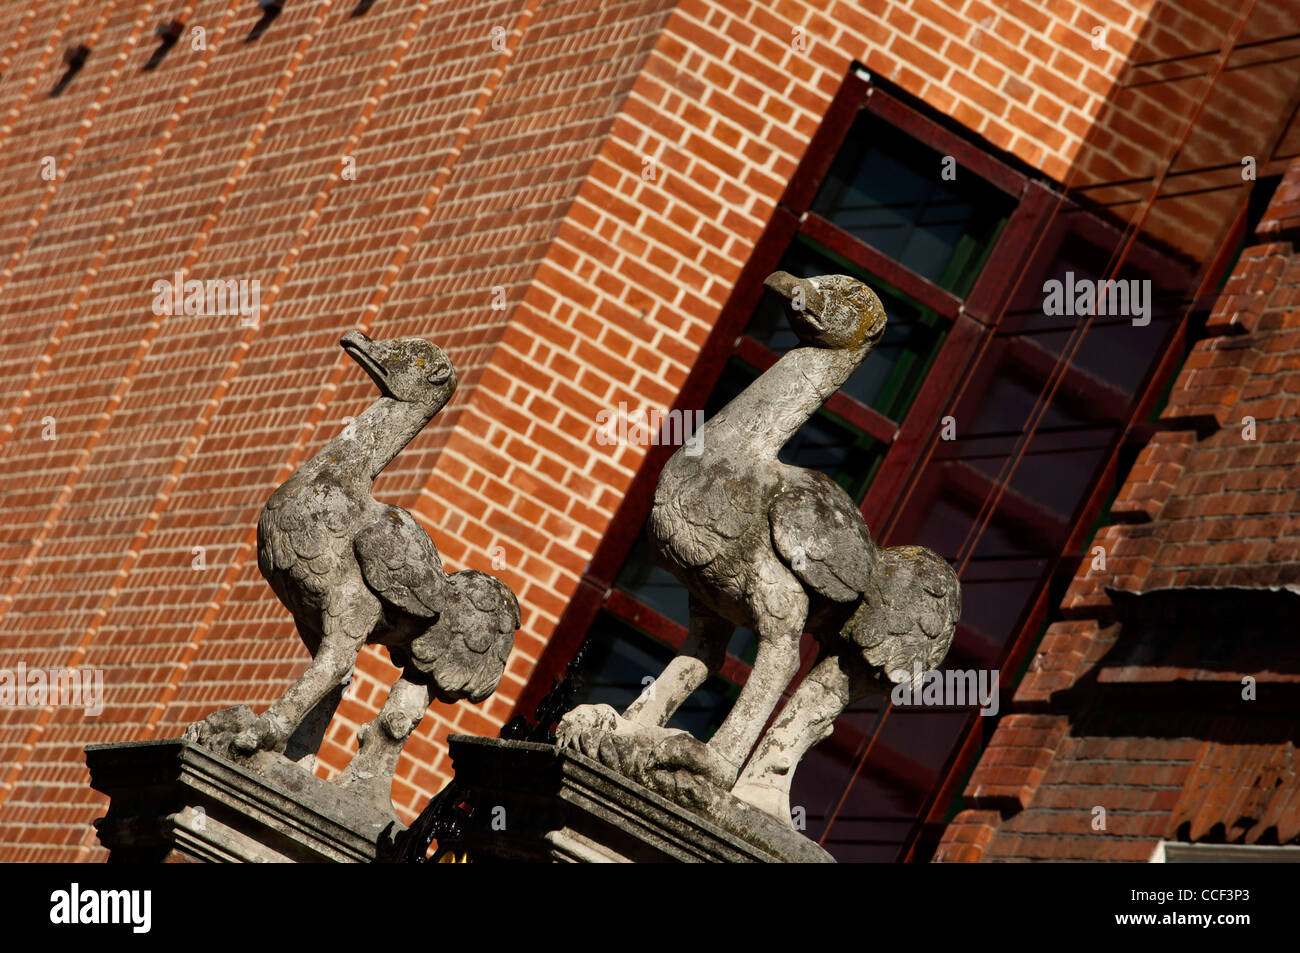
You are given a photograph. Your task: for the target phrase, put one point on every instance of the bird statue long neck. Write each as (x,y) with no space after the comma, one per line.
(767,413)
(380,433)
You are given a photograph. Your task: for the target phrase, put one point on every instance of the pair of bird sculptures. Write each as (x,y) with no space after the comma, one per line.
(757,543)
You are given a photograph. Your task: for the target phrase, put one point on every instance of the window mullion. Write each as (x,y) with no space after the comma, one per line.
(948,143)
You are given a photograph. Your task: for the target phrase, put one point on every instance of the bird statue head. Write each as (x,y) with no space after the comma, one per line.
(831,311)
(410,370)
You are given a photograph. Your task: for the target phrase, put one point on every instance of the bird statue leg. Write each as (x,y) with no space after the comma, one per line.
(775,663)
(599,732)
(701,656)
(808,718)
(382,740)
(306,739)
(332,663)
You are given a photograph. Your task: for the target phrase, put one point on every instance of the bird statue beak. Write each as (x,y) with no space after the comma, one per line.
(782,282)
(786,285)
(359,347)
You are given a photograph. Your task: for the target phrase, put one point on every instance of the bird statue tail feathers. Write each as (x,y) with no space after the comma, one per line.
(905,621)
(463,654)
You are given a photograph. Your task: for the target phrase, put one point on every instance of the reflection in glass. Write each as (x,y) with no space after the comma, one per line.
(888,190)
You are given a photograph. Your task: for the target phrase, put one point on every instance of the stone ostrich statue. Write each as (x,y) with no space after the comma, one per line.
(354,571)
(780,550)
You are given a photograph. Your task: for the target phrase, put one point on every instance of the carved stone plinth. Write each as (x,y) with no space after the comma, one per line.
(535,802)
(175,801)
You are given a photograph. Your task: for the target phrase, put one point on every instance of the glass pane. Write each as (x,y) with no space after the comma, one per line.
(846,455)
(619,663)
(889,378)
(943,525)
(1114,349)
(649,583)
(887,189)
(904,765)
(743,645)
(1056,468)
(995,594)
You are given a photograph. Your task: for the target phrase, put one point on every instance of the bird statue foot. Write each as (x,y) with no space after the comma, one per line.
(583,721)
(267,733)
(237,732)
(685,752)
(586,728)
(669,761)
(218,731)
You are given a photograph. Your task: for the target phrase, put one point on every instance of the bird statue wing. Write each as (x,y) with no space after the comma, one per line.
(697,530)
(301,539)
(464,653)
(908,614)
(400,564)
(822,537)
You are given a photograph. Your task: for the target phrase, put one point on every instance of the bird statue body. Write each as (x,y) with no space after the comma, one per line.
(780,550)
(355,571)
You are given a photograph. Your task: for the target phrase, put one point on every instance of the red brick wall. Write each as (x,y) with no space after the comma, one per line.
(476,168)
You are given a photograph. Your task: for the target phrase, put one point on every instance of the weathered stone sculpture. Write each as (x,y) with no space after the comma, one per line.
(354,571)
(780,550)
